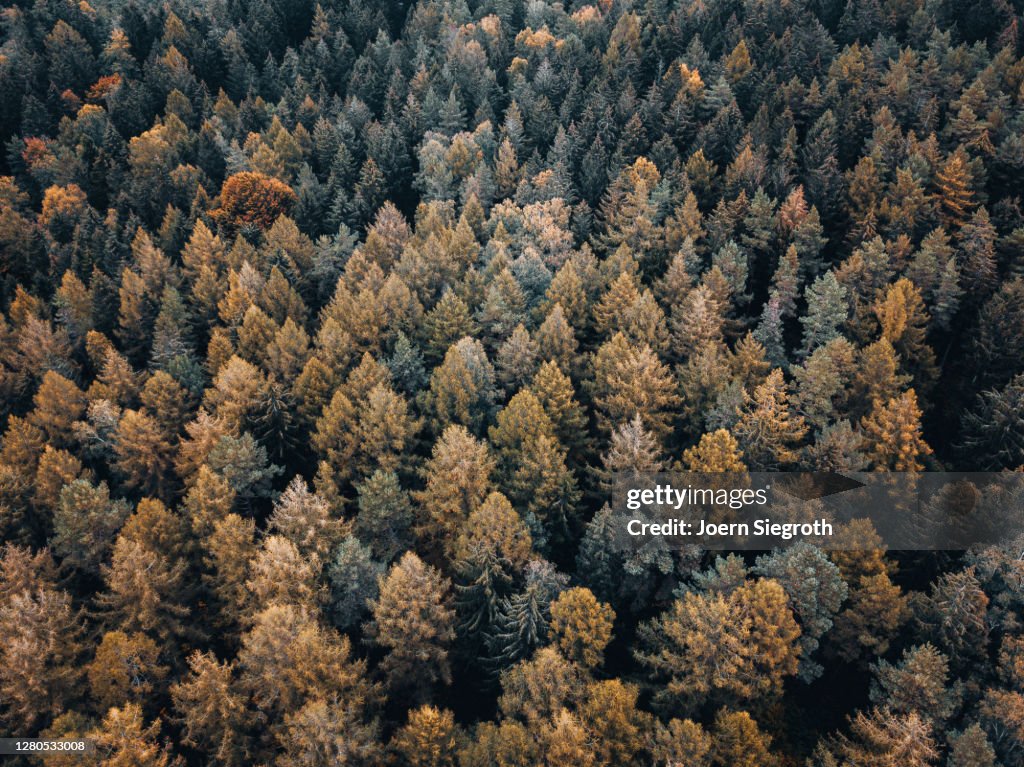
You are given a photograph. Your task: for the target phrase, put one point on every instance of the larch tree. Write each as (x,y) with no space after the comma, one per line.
(428,739)
(287,659)
(631,380)
(457,478)
(918,683)
(211,709)
(716,452)
(955,190)
(41,650)
(412,623)
(735,648)
(880,735)
(124,738)
(737,741)
(582,626)
(489,557)
(893,432)
(767,429)
(126,669)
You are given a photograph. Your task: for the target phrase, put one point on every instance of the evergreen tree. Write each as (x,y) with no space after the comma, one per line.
(826,312)
(353,576)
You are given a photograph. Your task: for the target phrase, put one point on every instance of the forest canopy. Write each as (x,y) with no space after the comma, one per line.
(324,328)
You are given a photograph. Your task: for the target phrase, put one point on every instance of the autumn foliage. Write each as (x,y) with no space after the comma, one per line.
(253,198)
(327,327)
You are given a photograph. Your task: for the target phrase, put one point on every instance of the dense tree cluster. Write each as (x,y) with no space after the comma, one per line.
(326,325)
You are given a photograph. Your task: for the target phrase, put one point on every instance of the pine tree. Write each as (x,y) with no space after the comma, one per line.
(244,464)
(947,296)
(506,169)
(522,622)
(488,558)
(924,268)
(703,380)
(953,615)
(816,591)
(786,281)
(445,324)
(385,515)
(769,332)
(992,430)
(86,523)
(354,580)
(328,728)
(976,241)
(822,383)
(406,365)
(826,312)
